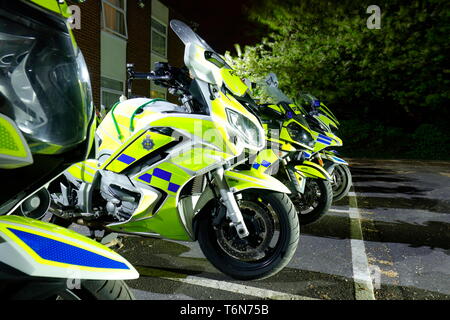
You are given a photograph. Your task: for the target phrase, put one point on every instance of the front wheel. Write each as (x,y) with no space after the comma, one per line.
(342,181)
(314,202)
(274,231)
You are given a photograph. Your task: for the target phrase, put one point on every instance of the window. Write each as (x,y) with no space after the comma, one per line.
(114,17)
(159,38)
(111,91)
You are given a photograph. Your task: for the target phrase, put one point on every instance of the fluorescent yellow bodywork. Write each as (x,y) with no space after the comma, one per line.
(267,155)
(313,170)
(14,151)
(137,151)
(84,170)
(253,179)
(233,82)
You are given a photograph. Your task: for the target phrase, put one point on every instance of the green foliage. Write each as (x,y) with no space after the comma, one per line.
(376,140)
(397,75)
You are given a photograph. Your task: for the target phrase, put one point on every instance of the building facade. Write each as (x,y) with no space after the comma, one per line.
(116,32)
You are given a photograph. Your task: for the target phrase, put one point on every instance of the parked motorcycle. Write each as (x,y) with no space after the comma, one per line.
(178,172)
(290,144)
(46,123)
(324,125)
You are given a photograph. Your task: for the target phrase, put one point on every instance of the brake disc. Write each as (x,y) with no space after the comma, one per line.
(259,222)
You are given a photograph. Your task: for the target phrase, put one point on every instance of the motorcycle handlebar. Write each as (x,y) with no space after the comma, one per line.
(149,76)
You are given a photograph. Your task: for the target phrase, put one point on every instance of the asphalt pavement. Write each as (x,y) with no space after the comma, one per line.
(389,239)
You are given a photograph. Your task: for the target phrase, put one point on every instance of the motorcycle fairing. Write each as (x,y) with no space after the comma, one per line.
(332,157)
(327,112)
(42,249)
(253,179)
(14,150)
(325,140)
(312,170)
(264,160)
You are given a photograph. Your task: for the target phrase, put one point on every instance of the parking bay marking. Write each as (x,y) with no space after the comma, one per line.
(239,288)
(361,273)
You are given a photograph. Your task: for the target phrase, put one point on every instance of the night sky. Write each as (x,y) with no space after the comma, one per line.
(221,24)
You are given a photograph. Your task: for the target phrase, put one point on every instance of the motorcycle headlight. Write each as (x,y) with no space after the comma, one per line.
(245,128)
(300,135)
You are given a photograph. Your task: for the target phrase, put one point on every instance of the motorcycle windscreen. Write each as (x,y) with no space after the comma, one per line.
(42,249)
(44,79)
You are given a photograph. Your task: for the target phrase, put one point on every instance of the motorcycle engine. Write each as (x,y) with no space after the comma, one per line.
(122,198)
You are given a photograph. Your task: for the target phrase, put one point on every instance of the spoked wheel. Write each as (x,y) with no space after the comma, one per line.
(342,182)
(314,202)
(273,228)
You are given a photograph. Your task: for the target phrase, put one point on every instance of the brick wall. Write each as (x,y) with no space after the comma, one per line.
(138,46)
(88,39)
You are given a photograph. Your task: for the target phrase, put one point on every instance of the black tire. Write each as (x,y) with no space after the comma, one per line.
(277,210)
(314,202)
(342,182)
(98,290)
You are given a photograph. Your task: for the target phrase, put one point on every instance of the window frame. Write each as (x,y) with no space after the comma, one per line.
(123,11)
(161,34)
(109,90)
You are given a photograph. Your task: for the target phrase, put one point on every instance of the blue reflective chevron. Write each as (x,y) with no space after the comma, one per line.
(162,174)
(321,136)
(173,187)
(58,251)
(265,163)
(146,177)
(324,141)
(256,165)
(126,159)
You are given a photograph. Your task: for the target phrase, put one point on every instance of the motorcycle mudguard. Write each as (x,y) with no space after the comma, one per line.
(337,160)
(313,170)
(253,179)
(41,249)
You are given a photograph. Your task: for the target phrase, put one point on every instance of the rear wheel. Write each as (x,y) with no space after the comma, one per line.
(314,202)
(272,222)
(342,182)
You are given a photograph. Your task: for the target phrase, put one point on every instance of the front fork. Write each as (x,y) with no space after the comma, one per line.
(297,180)
(233,211)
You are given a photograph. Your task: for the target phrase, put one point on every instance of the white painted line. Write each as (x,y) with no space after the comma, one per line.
(339,210)
(351,194)
(239,288)
(361,271)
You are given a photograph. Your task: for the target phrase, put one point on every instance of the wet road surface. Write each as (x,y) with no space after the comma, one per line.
(390,239)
